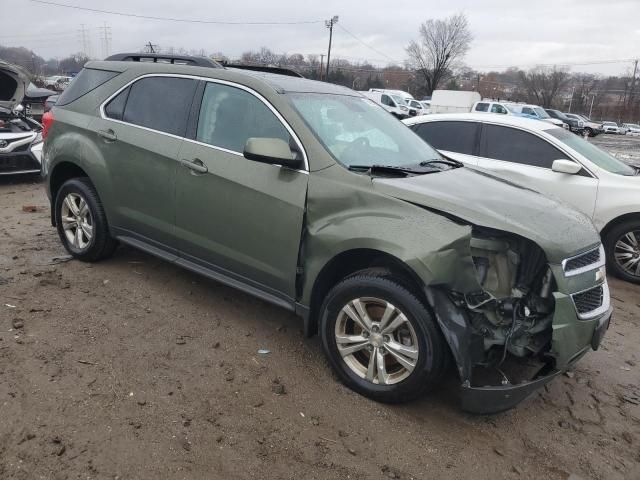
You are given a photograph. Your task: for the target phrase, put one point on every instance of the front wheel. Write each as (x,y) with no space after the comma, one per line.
(81,221)
(381,340)
(622,245)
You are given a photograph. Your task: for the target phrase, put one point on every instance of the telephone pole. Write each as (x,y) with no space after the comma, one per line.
(150,48)
(329,24)
(321,64)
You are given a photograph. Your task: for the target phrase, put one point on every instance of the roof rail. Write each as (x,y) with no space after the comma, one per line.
(263,68)
(164,58)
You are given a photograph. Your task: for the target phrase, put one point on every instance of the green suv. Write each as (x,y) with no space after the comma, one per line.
(312,197)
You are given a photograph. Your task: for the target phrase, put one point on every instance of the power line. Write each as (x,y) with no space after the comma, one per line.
(367,45)
(170,19)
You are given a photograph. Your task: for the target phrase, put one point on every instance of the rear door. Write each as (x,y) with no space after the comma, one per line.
(139,134)
(237,217)
(454,139)
(527,159)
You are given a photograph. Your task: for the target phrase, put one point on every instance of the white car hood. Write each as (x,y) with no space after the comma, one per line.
(13,85)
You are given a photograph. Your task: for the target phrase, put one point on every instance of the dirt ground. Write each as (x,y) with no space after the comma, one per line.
(135,369)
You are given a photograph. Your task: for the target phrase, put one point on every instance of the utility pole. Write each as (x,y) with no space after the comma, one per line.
(106,39)
(571,99)
(150,48)
(85,40)
(321,64)
(593,97)
(633,82)
(329,24)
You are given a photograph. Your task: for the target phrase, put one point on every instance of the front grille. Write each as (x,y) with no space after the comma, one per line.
(589,300)
(18,163)
(585,261)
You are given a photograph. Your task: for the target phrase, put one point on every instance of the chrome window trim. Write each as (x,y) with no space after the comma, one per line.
(586,268)
(606,302)
(249,90)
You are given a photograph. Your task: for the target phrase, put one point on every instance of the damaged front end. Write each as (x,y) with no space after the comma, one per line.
(502,334)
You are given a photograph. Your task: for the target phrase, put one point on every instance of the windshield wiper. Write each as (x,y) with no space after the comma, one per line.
(392,169)
(445,161)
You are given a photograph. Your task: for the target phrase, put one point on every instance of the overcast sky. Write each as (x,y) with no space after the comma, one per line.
(506,32)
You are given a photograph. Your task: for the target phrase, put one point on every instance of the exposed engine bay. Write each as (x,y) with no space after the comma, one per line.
(511,316)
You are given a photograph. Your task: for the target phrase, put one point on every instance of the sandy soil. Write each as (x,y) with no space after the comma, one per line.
(135,369)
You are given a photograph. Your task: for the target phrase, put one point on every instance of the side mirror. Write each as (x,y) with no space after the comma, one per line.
(566,166)
(274,151)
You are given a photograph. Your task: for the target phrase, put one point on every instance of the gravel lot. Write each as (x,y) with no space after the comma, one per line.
(135,369)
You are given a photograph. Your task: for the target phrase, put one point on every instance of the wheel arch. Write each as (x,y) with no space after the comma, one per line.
(64,170)
(351,261)
(617,221)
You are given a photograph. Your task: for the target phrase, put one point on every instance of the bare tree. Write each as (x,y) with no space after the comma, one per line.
(441,46)
(544,83)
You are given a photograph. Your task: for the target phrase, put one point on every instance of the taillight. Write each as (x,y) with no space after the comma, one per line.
(47,121)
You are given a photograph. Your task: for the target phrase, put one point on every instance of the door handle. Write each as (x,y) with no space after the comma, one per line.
(108,135)
(195,165)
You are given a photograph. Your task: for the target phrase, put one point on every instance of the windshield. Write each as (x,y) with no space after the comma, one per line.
(356,131)
(609,123)
(541,113)
(601,158)
(399,100)
(512,108)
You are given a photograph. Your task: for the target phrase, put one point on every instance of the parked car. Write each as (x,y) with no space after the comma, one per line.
(426,106)
(551,161)
(575,125)
(391,103)
(312,197)
(34,101)
(610,127)
(489,106)
(57,82)
(632,128)
(537,113)
(415,107)
(591,128)
(20,136)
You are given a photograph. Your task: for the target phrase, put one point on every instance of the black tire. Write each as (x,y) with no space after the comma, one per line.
(433,352)
(101,245)
(611,239)
(589,132)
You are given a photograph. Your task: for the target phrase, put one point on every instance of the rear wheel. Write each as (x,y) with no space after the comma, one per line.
(622,245)
(381,340)
(81,221)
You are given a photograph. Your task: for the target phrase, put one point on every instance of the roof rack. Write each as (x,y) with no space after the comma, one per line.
(164,58)
(263,68)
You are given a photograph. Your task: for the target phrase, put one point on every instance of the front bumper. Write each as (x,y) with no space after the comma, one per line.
(495,399)
(17,162)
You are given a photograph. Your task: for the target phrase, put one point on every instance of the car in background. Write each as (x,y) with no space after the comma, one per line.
(591,128)
(57,82)
(575,125)
(537,113)
(415,107)
(555,162)
(393,104)
(610,127)
(488,106)
(426,106)
(632,128)
(20,135)
(35,100)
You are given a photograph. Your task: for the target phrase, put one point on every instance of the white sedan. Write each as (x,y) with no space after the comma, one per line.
(554,162)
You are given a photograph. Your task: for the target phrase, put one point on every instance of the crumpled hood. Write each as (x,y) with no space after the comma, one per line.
(484,200)
(13,84)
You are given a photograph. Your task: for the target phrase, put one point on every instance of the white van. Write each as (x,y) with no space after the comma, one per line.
(391,103)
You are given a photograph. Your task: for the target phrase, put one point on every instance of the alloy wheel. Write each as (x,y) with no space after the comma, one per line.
(376,340)
(627,252)
(77,221)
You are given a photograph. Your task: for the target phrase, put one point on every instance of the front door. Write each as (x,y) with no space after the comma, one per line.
(238,217)
(526,159)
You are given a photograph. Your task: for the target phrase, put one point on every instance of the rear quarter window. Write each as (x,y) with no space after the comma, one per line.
(87,80)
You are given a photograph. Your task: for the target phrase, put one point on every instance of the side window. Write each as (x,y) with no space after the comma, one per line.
(160,103)
(115,108)
(229,116)
(386,100)
(482,107)
(497,108)
(457,137)
(517,146)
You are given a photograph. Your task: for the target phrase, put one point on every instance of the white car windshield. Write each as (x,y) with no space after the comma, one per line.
(399,100)
(356,131)
(541,113)
(594,154)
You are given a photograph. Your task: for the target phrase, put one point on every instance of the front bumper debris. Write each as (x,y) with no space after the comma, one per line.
(496,399)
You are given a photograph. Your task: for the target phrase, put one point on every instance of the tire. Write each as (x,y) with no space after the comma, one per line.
(418,336)
(618,242)
(93,241)
(589,132)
